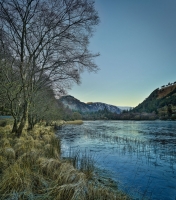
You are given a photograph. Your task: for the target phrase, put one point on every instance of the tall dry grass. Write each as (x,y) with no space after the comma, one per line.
(31,169)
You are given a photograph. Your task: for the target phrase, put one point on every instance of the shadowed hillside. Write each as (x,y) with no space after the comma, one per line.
(76,105)
(90,110)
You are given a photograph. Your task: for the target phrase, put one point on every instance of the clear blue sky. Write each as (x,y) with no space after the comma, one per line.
(136,40)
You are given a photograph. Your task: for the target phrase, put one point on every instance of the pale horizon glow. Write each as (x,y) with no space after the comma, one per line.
(137,45)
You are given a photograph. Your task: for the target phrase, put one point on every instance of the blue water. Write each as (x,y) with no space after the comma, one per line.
(139,155)
(5,117)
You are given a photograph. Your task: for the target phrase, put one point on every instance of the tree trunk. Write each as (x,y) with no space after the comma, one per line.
(14,129)
(31,122)
(24,120)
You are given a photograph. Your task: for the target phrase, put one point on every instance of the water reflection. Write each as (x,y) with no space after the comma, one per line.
(140,156)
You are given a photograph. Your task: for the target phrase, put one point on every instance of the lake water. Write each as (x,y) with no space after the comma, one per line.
(5,117)
(139,155)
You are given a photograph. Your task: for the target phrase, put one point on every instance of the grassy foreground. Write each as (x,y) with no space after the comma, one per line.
(31,168)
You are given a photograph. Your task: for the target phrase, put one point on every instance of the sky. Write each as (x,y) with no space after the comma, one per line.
(136,40)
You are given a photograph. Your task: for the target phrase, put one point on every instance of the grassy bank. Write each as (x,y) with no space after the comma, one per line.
(76,122)
(31,168)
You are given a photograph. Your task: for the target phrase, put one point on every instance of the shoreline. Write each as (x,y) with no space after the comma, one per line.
(32,166)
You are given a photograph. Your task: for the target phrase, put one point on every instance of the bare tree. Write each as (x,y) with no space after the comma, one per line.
(48,38)
(44,106)
(10,84)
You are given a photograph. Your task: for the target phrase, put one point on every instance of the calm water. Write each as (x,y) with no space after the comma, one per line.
(139,155)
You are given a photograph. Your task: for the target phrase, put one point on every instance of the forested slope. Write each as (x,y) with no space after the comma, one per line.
(161,101)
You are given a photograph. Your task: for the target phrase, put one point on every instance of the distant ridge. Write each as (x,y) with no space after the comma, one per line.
(90,107)
(125,107)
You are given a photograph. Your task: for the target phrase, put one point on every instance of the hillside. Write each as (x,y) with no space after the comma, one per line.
(162,101)
(165,90)
(90,107)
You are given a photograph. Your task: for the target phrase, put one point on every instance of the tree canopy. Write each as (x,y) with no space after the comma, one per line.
(43,43)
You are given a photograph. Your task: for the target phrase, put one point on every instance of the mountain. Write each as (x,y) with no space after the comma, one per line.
(160,104)
(90,107)
(162,101)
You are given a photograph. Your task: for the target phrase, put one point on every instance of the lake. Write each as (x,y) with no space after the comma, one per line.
(140,156)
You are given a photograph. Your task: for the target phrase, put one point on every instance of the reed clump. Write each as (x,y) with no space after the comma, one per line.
(31,168)
(75,122)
